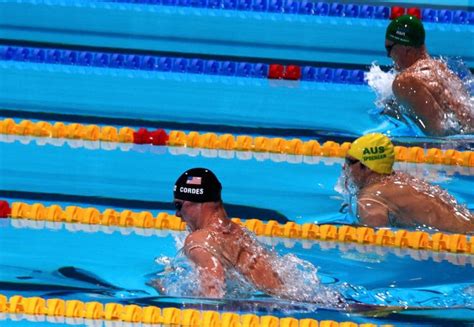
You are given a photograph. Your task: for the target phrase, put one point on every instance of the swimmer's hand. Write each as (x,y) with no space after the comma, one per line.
(391,108)
(373,310)
(156,284)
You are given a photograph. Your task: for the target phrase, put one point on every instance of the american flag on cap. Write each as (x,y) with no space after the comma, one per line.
(192,180)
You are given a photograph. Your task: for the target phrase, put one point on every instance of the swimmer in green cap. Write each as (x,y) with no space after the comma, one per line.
(389,198)
(428,92)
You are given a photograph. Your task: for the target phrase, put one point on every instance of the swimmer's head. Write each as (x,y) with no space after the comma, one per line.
(375,151)
(406,30)
(198,185)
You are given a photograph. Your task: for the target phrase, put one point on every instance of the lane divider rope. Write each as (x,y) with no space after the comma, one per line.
(193,139)
(55,307)
(414,169)
(458,259)
(320,8)
(456,243)
(182,65)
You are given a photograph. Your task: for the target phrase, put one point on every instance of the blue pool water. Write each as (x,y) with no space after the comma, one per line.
(293,187)
(285,188)
(40,267)
(94,263)
(246,34)
(204,102)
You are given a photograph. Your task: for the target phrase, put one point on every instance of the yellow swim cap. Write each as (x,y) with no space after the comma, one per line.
(375,151)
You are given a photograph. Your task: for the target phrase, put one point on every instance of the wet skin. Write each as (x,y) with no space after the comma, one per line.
(433,96)
(217,244)
(401,200)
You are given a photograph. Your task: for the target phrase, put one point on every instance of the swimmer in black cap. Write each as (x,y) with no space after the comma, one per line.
(218,247)
(433,96)
(215,243)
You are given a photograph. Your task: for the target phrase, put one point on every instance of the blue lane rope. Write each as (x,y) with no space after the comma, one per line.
(308,7)
(171,64)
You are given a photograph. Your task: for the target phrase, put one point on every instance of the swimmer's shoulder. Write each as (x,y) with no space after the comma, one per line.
(420,70)
(405,82)
(375,194)
(376,190)
(199,238)
(427,65)
(428,69)
(384,193)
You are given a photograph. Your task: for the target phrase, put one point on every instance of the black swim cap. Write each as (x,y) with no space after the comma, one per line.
(406,30)
(198,185)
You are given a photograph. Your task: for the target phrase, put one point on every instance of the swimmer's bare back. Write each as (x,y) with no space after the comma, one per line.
(233,248)
(434,94)
(402,200)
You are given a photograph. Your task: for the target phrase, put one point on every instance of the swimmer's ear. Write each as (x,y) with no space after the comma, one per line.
(344,208)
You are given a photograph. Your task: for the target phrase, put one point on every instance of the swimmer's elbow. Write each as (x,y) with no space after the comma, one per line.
(373,215)
(374,220)
(212,284)
(212,291)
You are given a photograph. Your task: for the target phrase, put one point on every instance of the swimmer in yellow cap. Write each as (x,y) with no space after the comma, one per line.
(425,88)
(389,198)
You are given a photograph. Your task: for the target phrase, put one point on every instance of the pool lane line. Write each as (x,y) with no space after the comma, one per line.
(234,210)
(53,309)
(418,240)
(188,55)
(136,62)
(409,167)
(320,135)
(192,139)
(320,8)
(457,259)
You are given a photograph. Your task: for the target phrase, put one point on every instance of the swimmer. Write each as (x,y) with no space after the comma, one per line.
(215,243)
(389,198)
(220,249)
(431,94)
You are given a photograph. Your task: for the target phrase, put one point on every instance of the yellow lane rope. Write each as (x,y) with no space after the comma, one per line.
(456,243)
(457,259)
(54,307)
(294,146)
(414,169)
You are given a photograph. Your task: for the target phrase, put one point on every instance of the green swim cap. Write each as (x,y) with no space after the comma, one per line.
(406,30)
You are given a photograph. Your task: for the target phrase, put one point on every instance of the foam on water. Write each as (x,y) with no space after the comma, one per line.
(347,188)
(179,277)
(381,83)
(462,92)
(302,283)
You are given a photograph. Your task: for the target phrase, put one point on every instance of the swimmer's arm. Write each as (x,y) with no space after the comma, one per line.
(372,213)
(156,284)
(211,272)
(413,93)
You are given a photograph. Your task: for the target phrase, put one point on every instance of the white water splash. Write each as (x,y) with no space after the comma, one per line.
(302,284)
(346,186)
(381,83)
(470,290)
(179,277)
(459,91)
